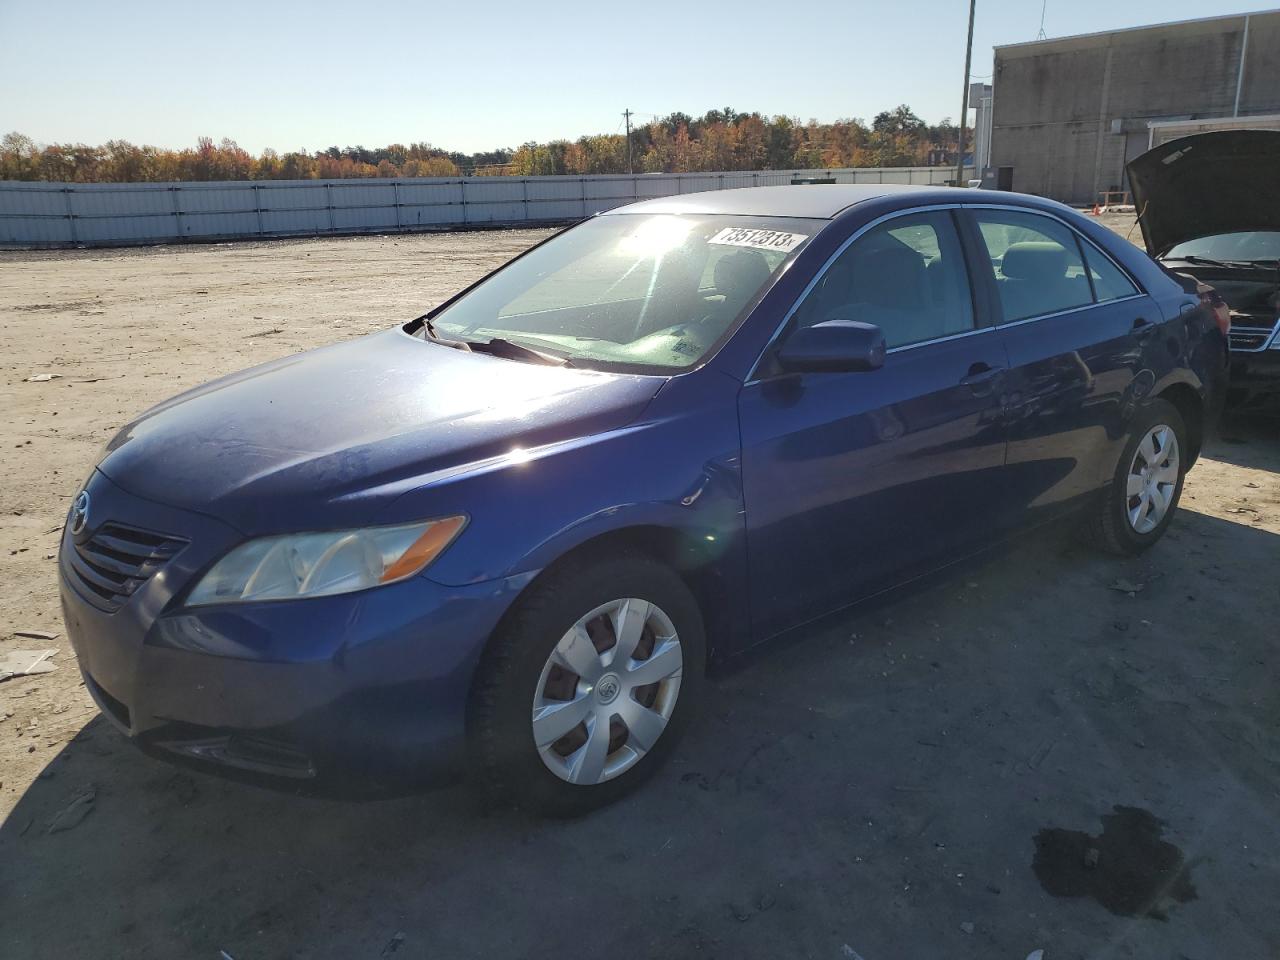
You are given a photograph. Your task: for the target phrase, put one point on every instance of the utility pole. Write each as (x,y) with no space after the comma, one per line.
(964,104)
(626,115)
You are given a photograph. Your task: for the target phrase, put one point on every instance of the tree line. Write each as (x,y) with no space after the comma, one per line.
(677,143)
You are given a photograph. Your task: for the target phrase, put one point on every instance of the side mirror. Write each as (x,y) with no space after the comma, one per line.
(833,346)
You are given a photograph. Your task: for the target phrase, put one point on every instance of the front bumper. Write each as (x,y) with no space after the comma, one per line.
(1255,375)
(356,695)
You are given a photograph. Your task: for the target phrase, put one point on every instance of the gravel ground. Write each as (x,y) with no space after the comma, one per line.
(1021,757)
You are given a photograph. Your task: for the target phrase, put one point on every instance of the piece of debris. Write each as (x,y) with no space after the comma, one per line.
(43,378)
(1127,586)
(1091,857)
(35,634)
(1036,955)
(22,663)
(264,333)
(74,812)
(849,953)
(966,927)
(394,944)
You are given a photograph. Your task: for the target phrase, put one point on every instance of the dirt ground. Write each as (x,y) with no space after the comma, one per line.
(1024,757)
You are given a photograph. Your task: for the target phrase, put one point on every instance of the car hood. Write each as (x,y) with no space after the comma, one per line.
(327,437)
(1207,184)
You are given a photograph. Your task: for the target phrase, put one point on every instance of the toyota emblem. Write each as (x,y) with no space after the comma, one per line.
(80,512)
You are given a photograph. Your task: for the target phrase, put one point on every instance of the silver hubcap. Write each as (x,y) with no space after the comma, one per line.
(1153,477)
(607,691)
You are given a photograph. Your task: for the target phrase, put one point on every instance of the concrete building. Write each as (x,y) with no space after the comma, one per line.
(1069,113)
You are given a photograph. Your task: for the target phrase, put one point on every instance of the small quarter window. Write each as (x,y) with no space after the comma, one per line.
(1109,282)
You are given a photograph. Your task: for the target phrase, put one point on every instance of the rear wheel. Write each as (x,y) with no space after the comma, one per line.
(587,685)
(1136,508)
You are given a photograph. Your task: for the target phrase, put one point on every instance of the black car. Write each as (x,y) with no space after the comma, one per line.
(1209,207)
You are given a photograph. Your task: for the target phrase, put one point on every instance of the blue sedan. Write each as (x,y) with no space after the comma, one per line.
(507,539)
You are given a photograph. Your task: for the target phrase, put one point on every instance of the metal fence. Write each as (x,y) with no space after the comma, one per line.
(110,214)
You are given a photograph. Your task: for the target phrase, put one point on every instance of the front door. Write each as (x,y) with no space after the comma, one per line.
(857,481)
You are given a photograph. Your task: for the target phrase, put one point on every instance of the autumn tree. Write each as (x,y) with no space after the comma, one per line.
(720,139)
(900,119)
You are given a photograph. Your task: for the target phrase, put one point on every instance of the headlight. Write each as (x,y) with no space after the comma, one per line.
(322,564)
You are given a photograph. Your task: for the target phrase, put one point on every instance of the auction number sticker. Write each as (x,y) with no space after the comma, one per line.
(759,239)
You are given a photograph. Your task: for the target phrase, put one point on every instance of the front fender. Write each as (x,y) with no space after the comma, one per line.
(676,468)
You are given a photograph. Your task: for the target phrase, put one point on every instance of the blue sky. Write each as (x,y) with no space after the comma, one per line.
(476,76)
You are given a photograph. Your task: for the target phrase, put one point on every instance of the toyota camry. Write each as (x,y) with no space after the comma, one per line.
(507,539)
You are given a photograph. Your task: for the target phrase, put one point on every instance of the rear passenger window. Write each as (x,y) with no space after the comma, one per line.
(1036,263)
(907,276)
(1109,282)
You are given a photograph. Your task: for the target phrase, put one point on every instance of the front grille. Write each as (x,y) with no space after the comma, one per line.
(117,560)
(1249,338)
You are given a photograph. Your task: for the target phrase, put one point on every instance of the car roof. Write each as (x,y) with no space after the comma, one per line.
(817,201)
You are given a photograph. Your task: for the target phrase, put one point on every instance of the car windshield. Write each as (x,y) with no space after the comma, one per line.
(1245,247)
(647,293)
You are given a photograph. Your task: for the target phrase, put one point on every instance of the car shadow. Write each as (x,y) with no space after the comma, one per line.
(1247,440)
(878,787)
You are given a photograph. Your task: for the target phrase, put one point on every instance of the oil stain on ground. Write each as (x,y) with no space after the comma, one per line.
(1129,869)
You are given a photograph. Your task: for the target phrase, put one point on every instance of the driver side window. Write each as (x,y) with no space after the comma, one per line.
(907,276)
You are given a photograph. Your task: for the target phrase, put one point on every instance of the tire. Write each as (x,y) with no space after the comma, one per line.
(519,682)
(1112,526)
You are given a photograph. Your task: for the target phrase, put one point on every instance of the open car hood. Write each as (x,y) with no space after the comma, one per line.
(1207,184)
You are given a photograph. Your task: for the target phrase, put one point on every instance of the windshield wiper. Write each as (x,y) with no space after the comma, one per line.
(497,347)
(1271,262)
(1207,261)
(511,350)
(430,329)
(1262,262)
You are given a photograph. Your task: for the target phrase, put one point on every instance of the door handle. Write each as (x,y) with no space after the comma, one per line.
(1142,327)
(981,373)
(982,378)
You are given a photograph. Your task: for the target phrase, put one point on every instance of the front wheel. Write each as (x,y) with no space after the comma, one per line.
(1136,508)
(587,684)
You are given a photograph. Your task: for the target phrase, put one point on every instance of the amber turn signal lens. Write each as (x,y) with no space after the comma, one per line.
(426,548)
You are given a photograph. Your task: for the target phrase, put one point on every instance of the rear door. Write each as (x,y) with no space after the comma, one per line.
(857,481)
(1074,325)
